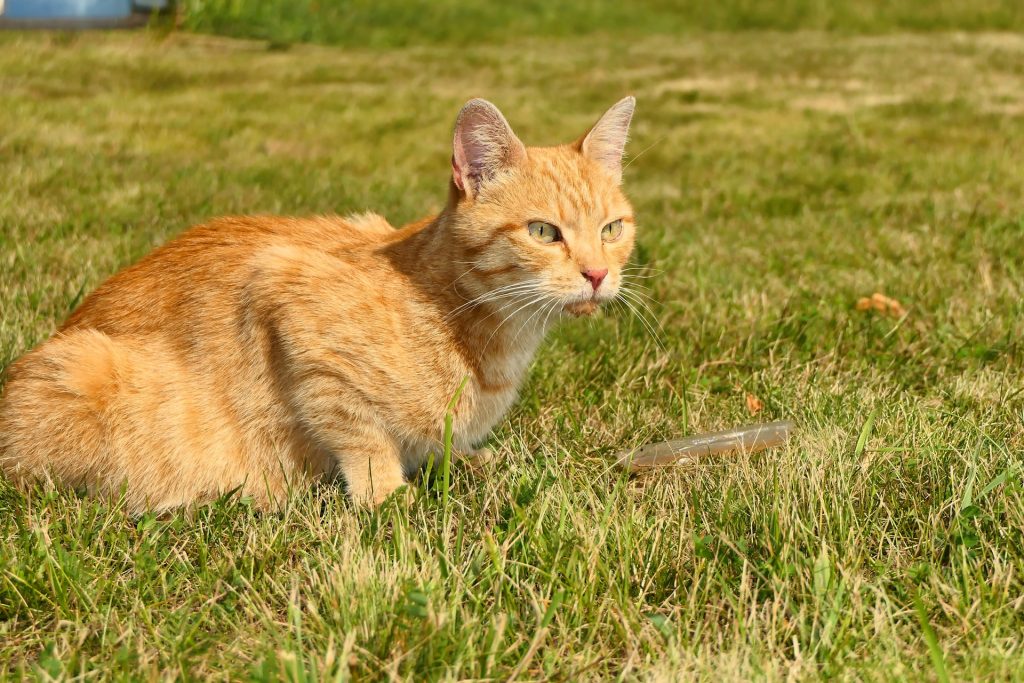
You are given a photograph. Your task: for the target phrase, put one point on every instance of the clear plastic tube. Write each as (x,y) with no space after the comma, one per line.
(747,439)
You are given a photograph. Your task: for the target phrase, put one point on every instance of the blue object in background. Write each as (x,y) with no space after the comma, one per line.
(65,9)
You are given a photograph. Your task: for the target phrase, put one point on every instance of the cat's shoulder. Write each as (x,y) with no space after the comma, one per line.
(361,228)
(369,223)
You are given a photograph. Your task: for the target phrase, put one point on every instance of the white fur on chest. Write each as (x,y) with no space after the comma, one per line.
(471,426)
(488,409)
(495,392)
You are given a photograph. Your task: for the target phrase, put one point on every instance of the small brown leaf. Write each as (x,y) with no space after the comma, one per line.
(754,404)
(883,304)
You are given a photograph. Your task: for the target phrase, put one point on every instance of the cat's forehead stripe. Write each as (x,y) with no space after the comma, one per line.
(572,188)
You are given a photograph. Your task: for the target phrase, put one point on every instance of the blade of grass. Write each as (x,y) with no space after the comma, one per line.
(446,461)
(934,649)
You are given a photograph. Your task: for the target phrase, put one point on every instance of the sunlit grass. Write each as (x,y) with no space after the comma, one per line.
(394,23)
(777,179)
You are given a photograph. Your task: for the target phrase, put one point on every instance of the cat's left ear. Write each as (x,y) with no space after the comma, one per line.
(606,141)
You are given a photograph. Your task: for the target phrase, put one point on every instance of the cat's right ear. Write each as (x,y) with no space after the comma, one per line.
(606,141)
(484,145)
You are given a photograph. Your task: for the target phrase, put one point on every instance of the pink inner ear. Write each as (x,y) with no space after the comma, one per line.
(457,174)
(462,162)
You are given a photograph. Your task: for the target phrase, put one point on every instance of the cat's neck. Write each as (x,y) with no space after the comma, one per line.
(497,335)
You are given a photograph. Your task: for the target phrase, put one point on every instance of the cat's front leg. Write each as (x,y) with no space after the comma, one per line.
(369,460)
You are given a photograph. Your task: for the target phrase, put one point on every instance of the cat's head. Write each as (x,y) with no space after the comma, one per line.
(544,224)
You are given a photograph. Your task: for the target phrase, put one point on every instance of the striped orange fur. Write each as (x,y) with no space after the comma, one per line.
(263,353)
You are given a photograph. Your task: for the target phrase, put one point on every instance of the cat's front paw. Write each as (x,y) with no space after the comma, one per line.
(478,458)
(374,498)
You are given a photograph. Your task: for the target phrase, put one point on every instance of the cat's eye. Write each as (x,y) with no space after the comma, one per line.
(544,232)
(612,231)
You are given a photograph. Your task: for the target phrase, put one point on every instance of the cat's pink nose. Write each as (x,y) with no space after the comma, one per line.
(596,277)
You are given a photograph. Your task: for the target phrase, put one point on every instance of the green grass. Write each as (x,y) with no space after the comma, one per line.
(777,179)
(464,22)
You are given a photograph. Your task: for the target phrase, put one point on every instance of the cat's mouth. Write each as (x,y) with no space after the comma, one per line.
(582,308)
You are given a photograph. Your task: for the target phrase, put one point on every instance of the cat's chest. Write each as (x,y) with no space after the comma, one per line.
(494,390)
(487,409)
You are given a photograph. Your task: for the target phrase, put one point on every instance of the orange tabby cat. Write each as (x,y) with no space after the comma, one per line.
(261,353)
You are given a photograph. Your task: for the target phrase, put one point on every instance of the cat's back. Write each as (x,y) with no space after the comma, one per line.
(202,270)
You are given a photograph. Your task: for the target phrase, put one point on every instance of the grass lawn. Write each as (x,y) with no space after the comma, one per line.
(778,178)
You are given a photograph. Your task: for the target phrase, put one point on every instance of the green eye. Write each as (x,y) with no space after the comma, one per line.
(612,231)
(544,232)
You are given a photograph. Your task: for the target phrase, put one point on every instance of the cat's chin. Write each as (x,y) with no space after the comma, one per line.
(581,308)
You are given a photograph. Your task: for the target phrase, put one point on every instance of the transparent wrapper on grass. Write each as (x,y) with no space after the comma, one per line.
(746,439)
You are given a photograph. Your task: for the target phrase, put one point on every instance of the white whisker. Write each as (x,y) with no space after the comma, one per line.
(636,285)
(650,329)
(651,272)
(641,298)
(527,321)
(554,307)
(519,297)
(492,295)
(644,151)
(646,295)
(472,267)
(534,300)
